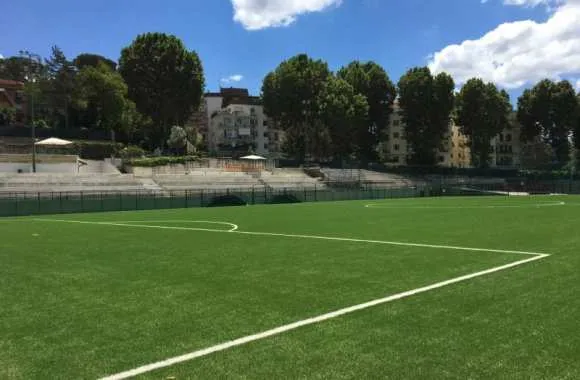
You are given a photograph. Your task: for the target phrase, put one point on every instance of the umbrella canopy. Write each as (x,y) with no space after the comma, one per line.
(253,157)
(53,141)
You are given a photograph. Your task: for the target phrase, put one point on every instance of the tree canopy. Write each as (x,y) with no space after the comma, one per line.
(426,103)
(93,60)
(291,95)
(165,80)
(483,112)
(101,96)
(549,112)
(372,82)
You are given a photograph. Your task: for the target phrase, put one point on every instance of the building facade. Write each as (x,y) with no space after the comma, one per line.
(454,150)
(237,125)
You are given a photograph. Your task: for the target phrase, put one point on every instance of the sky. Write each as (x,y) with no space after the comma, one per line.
(513,43)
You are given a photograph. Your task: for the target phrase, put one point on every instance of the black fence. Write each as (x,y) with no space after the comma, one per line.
(29,203)
(21,204)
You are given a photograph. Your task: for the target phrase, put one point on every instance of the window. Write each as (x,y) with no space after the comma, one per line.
(441,159)
(265,146)
(501,137)
(265,123)
(395,159)
(266,134)
(510,149)
(396,135)
(508,137)
(396,147)
(396,123)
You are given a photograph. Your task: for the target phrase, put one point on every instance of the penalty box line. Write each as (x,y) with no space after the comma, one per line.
(313,320)
(314,237)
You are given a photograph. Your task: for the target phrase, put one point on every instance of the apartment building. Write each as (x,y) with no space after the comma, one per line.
(454,150)
(236,124)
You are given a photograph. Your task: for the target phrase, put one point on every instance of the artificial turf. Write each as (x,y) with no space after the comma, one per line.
(88,300)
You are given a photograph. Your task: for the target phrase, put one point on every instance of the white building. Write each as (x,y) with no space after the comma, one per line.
(236,123)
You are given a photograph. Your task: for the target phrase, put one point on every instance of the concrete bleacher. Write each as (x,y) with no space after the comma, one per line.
(289,178)
(206,179)
(51,182)
(368,177)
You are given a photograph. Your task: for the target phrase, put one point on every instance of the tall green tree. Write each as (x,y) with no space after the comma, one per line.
(57,87)
(165,81)
(87,59)
(483,112)
(426,103)
(101,96)
(371,81)
(343,113)
(548,112)
(291,96)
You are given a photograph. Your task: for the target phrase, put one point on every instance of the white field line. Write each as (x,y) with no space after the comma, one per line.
(532,205)
(314,237)
(233,227)
(305,322)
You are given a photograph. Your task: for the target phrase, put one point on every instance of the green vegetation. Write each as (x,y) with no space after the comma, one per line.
(426,102)
(89,300)
(161,161)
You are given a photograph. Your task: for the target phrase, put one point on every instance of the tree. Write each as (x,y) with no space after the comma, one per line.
(548,112)
(7,115)
(343,113)
(93,60)
(165,81)
(371,81)
(57,87)
(291,95)
(177,139)
(101,96)
(426,103)
(482,112)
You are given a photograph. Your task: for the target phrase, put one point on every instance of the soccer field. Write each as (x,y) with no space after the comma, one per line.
(426,288)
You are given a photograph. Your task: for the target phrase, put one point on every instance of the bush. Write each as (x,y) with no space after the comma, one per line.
(161,161)
(97,150)
(131,152)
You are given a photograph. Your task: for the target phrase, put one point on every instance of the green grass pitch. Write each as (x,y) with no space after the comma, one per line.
(123,290)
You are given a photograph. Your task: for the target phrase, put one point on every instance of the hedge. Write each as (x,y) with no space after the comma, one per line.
(97,150)
(161,161)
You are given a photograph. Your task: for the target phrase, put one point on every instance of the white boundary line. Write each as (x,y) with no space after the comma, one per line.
(233,227)
(305,322)
(531,205)
(313,320)
(316,237)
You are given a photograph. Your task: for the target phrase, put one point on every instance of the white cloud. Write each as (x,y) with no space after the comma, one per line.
(578,85)
(261,14)
(518,53)
(1,56)
(232,78)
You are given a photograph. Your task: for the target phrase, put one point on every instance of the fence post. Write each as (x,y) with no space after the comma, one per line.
(82,203)
(120,202)
(315,194)
(60,202)
(201,199)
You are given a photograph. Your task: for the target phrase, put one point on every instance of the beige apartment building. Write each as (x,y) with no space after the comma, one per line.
(454,150)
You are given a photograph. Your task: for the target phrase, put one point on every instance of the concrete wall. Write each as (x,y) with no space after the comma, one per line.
(13,167)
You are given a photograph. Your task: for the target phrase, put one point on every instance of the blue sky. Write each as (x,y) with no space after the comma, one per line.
(244,38)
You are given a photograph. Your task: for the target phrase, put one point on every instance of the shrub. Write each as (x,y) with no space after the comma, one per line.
(97,150)
(132,151)
(161,161)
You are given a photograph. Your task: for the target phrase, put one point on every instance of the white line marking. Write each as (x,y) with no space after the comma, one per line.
(305,322)
(233,227)
(531,205)
(316,237)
